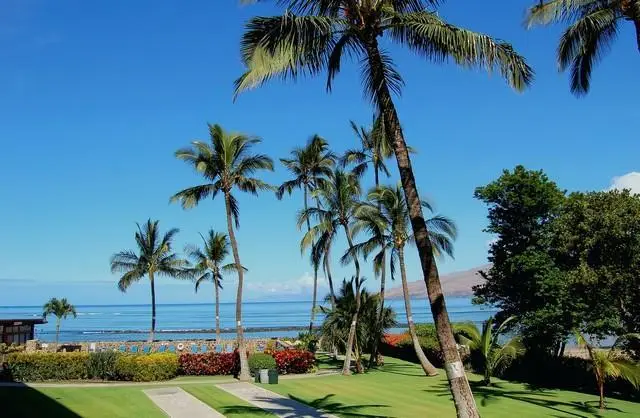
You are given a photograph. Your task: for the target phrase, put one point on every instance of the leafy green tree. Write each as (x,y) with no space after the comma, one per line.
(593,26)
(226,163)
(524,279)
(61,308)
(314,35)
(385,219)
(595,240)
(209,265)
(493,355)
(339,197)
(611,364)
(309,165)
(337,322)
(155,257)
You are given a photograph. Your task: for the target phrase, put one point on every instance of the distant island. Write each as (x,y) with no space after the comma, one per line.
(459,283)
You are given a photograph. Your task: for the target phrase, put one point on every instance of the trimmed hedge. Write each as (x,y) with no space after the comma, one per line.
(32,367)
(294,361)
(147,368)
(259,361)
(209,364)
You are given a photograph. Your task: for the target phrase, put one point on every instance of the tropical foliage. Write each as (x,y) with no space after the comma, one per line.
(486,345)
(226,163)
(61,309)
(313,36)
(310,166)
(593,26)
(209,265)
(611,364)
(155,257)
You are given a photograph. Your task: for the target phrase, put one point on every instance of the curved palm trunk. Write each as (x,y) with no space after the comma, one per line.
(244,365)
(636,23)
(346,367)
(315,266)
(153,307)
(428,368)
(217,287)
(57,332)
(462,396)
(327,266)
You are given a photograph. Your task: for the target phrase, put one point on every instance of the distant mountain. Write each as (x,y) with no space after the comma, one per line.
(459,283)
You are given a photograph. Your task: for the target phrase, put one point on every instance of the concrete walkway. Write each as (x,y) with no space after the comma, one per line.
(177,403)
(272,402)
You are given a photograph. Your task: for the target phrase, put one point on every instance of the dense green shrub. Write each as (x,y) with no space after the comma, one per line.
(259,361)
(209,364)
(146,368)
(32,367)
(102,365)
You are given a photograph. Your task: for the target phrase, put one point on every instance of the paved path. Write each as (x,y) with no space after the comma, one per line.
(177,403)
(272,402)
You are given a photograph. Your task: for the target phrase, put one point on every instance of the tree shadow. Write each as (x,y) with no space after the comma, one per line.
(315,408)
(401,369)
(488,395)
(21,401)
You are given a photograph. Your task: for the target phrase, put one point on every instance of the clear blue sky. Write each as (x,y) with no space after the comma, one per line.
(95,96)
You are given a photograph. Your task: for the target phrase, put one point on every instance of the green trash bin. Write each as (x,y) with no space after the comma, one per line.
(273,377)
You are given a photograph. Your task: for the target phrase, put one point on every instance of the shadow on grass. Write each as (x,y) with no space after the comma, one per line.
(327,362)
(22,401)
(488,395)
(401,369)
(285,406)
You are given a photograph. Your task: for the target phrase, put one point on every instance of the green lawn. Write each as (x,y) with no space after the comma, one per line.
(396,390)
(399,389)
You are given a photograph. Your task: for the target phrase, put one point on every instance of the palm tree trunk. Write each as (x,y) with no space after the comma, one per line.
(244,365)
(462,396)
(601,391)
(373,359)
(153,307)
(346,367)
(636,23)
(315,265)
(327,266)
(428,368)
(57,333)
(217,287)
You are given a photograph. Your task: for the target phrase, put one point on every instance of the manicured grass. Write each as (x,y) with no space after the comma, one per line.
(399,389)
(225,403)
(24,402)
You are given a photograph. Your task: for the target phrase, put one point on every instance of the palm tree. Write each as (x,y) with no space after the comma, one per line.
(309,166)
(226,163)
(593,26)
(485,345)
(334,330)
(611,364)
(313,35)
(155,257)
(338,198)
(386,220)
(61,308)
(209,265)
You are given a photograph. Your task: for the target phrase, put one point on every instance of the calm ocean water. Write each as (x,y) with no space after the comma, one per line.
(185,321)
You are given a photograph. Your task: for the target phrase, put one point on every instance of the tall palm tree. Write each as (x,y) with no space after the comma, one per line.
(385,218)
(209,265)
(338,200)
(309,166)
(593,26)
(155,257)
(61,308)
(314,35)
(493,355)
(374,149)
(226,163)
(607,364)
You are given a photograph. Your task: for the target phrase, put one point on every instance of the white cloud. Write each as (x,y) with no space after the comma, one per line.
(300,286)
(627,181)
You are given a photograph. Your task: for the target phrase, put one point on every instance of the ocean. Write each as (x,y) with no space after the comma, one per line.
(196,321)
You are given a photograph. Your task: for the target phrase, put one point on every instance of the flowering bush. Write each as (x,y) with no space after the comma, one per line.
(294,361)
(209,364)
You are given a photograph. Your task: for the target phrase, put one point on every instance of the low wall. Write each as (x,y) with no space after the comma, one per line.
(177,346)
